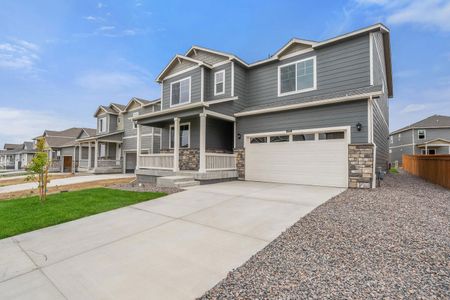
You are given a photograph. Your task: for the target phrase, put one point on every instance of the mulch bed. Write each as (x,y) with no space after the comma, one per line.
(389,243)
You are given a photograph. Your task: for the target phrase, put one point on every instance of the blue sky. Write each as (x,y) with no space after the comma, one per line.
(60,59)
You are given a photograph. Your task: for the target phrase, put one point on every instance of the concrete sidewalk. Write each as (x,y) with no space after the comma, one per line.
(175,247)
(63,181)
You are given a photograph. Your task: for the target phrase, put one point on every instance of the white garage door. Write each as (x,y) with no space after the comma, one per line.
(308,157)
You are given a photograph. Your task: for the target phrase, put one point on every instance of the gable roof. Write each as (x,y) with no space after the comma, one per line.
(118,107)
(177,59)
(435,121)
(142,102)
(291,44)
(105,109)
(9,146)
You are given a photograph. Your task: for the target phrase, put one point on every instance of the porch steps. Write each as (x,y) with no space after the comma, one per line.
(176,181)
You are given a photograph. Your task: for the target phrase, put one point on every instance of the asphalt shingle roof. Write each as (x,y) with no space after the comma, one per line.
(430,122)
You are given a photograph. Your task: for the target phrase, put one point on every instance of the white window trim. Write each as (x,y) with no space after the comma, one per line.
(100,129)
(424,134)
(171,127)
(399,137)
(215,83)
(280,94)
(392,139)
(135,114)
(190,90)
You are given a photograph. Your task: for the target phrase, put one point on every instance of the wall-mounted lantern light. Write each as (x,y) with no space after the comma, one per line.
(239,136)
(358,126)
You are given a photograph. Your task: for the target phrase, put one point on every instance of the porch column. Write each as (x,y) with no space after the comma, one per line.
(118,154)
(96,154)
(426,149)
(176,145)
(202,168)
(74,157)
(80,149)
(138,146)
(89,156)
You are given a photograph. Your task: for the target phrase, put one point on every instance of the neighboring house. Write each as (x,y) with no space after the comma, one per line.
(62,147)
(428,136)
(16,156)
(313,113)
(113,147)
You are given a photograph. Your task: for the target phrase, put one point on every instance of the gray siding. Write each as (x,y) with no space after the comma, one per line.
(209,58)
(68,151)
(112,123)
(345,114)
(339,67)
(195,87)
(381,138)
(209,88)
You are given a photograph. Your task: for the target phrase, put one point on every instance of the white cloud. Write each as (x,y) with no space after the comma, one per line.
(103,28)
(23,125)
(100,5)
(414,108)
(94,19)
(18,54)
(427,13)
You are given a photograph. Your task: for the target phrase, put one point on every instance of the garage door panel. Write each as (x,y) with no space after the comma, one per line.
(323,162)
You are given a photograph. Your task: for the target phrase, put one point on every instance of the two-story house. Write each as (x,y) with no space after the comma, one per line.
(426,137)
(313,113)
(113,149)
(62,147)
(16,156)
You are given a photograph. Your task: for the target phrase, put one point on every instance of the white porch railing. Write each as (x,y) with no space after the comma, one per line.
(109,163)
(84,163)
(156,161)
(220,161)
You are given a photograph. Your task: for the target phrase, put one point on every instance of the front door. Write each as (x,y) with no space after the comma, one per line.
(130,162)
(67,164)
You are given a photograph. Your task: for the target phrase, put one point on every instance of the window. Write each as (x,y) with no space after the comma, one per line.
(392,139)
(297,77)
(279,138)
(258,140)
(135,114)
(180,92)
(390,150)
(102,125)
(303,137)
(331,135)
(423,151)
(184,136)
(421,134)
(219,83)
(102,150)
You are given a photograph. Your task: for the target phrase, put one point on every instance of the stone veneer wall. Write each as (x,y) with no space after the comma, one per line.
(240,162)
(360,165)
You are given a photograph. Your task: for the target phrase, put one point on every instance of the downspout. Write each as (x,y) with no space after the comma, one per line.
(413,143)
(370,140)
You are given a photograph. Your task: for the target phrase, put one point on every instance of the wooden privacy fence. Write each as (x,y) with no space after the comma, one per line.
(434,168)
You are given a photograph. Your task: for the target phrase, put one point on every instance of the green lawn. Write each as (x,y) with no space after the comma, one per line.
(27,214)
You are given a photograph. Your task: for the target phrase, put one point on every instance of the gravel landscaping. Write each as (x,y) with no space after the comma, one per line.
(144,187)
(392,242)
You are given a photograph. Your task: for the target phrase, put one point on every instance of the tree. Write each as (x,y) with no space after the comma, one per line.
(38,169)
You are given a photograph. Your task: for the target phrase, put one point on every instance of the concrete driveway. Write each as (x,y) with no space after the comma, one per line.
(176,247)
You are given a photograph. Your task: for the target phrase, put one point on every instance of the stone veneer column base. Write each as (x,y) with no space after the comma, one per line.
(360,165)
(240,162)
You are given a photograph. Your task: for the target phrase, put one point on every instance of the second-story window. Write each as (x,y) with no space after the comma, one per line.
(421,134)
(297,77)
(102,125)
(135,114)
(219,83)
(180,91)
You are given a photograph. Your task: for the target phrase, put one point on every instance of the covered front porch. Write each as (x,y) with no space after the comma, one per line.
(100,154)
(198,143)
(437,146)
